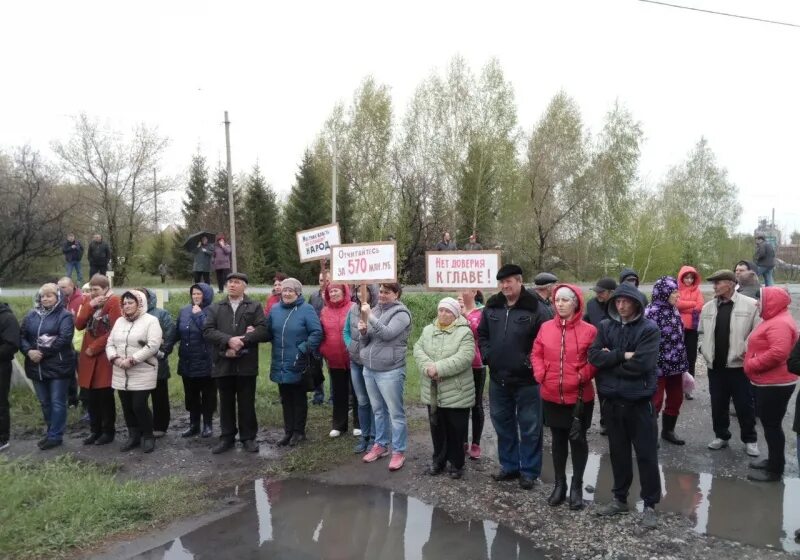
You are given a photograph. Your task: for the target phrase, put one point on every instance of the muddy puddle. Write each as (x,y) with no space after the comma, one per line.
(300,519)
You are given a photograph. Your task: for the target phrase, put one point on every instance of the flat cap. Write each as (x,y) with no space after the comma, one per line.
(605,284)
(237,276)
(545,279)
(723,274)
(508,270)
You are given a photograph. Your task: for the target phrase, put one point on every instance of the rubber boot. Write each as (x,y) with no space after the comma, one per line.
(559,493)
(576,494)
(133,441)
(194,426)
(668,429)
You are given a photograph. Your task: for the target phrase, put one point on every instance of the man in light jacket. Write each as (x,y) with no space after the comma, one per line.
(725,323)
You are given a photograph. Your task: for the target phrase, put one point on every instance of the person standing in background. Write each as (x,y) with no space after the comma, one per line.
(221,261)
(99,255)
(764,258)
(73,253)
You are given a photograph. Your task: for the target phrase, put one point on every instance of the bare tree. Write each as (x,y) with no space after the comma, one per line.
(119,172)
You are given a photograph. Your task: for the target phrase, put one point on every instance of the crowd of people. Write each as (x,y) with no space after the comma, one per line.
(548,353)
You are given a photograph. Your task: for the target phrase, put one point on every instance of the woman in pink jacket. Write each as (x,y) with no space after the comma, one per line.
(768,348)
(690,304)
(560,365)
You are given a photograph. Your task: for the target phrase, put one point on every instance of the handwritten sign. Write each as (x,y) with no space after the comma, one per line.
(315,244)
(364,262)
(447,270)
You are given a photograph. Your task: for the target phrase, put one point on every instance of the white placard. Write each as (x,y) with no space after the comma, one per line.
(315,244)
(364,262)
(447,270)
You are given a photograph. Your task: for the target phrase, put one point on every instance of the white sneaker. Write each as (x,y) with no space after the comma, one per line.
(356,432)
(717,443)
(751,449)
(335,433)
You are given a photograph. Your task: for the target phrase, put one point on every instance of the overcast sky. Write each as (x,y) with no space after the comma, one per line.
(279,68)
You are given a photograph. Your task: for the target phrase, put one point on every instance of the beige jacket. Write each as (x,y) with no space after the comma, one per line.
(744,318)
(140,339)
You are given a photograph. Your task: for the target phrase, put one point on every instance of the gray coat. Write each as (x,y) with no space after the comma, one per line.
(202,258)
(383,347)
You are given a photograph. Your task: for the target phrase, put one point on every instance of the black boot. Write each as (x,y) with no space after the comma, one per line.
(576,494)
(133,441)
(668,429)
(148,444)
(285,439)
(559,493)
(194,426)
(208,431)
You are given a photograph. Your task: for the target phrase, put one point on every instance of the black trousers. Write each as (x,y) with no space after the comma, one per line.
(690,340)
(200,398)
(478,416)
(97,269)
(449,432)
(102,411)
(161,413)
(137,413)
(295,407)
(237,399)
(222,274)
(340,387)
(5,415)
(771,404)
(201,276)
(633,424)
(724,385)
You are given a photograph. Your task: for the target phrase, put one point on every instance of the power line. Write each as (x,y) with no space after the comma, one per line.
(774,22)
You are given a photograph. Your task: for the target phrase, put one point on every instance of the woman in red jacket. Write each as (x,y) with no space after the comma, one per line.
(768,348)
(560,365)
(690,304)
(334,350)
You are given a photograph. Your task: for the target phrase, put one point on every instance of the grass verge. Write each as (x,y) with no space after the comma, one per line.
(52,508)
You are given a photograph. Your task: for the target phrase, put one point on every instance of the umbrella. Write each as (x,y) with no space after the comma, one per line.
(192,241)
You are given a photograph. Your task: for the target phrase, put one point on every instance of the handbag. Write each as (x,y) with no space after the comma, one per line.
(576,432)
(312,377)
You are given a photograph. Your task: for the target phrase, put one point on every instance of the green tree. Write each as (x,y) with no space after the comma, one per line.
(160,252)
(195,205)
(259,240)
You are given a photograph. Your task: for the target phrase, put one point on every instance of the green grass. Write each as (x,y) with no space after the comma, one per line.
(51,508)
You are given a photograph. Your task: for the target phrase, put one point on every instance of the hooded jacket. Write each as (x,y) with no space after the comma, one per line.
(618,378)
(167,332)
(749,285)
(352,338)
(744,318)
(295,332)
(94,372)
(672,358)
(559,356)
(194,352)
(49,331)
(222,324)
(138,337)
(333,319)
(384,346)
(9,338)
(771,342)
(451,349)
(627,273)
(691,301)
(506,335)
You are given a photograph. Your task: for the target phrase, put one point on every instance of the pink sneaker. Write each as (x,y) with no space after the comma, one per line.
(378,451)
(474,451)
(397,462)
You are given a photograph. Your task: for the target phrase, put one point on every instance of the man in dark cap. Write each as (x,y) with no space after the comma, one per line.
(234,327)
(543,284)
(725,323)
(508,327)
(630,276)
(596,309)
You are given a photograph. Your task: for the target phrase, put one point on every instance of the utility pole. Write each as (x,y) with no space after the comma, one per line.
(155,199)
(231,213)
(334,182)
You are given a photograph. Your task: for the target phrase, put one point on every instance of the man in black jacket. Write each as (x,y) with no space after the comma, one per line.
(596,311)
(625,353)
(765,259)
(9,344)
(508,327)
(73,253)
(234,327)
(99,255)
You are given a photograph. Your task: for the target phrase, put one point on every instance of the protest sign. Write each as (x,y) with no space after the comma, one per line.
(315,244)
(364,262)
(448,270)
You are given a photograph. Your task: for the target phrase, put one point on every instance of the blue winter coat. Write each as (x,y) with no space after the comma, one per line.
(194,353)
(167,330)
(51,333)
(295,331)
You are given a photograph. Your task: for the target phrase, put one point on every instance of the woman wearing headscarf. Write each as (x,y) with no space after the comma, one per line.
(472,310)
(690,304)
(333,318)
(195,362)
(561,367)
(132,347)
(295,332)
(672,361)
(765,364)
(46,342)
(444,354)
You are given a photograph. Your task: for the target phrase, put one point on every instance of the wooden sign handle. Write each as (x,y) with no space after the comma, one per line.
(362,297)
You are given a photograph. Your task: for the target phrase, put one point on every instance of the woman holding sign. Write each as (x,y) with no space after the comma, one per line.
(384,332)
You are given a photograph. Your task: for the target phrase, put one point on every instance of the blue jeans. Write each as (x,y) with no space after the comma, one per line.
(76,266)
(52,395)
(516,414)
(365,416)
(766,272)
(385,389)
